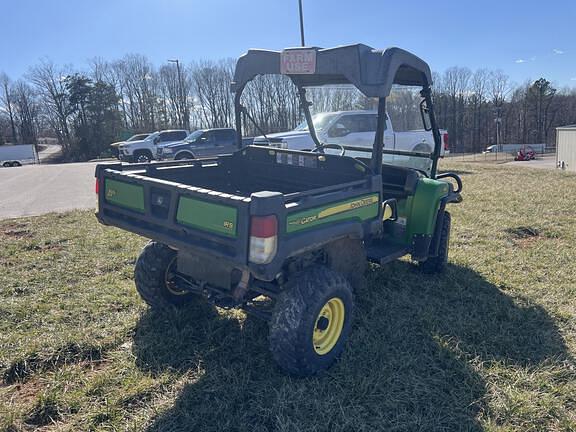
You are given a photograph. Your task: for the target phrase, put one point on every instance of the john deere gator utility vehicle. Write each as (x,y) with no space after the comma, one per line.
(286,234)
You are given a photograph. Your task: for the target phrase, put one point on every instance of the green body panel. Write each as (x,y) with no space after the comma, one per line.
(363,207)
(125,195)
(422,208)
(207,216)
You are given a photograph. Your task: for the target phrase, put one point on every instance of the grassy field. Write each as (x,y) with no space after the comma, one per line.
(489,345)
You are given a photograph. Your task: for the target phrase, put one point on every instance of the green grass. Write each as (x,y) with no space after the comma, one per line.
(489,345)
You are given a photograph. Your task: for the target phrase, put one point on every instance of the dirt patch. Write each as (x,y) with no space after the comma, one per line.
(45,412)
(524,236)
(55,245)
(523,232)
(25,393)
(17,230)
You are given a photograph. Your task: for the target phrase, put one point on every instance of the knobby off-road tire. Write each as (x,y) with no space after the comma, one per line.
(438,263)
(299,316)
(152,277)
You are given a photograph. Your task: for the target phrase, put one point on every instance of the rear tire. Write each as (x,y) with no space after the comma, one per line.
(438,263)
(422,148)
(183,156)
(16,164)
(311,321)
(7,164)
(153,279)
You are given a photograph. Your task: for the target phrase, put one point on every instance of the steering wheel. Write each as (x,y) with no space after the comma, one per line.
(342,153)
(325,146)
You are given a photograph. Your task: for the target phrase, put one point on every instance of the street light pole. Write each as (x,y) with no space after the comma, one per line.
(301,23)
(181,94)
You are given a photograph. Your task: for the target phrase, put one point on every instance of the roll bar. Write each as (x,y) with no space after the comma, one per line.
(373,72)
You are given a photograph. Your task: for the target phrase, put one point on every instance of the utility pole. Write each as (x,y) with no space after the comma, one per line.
(301,23)
(183,100)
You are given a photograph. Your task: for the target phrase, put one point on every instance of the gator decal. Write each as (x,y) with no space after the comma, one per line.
(207,216)
(363,207)
(125,195)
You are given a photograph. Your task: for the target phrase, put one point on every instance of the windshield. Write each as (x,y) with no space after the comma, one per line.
(320,121)
(194,136)
(138,137)
(152,136)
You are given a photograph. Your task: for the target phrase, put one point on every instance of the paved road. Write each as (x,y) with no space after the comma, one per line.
(37,189)
(546,162)
(50,152)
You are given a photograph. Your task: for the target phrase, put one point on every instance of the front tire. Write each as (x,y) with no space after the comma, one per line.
(142,157)
(311,321)
(438,263)
(154,278)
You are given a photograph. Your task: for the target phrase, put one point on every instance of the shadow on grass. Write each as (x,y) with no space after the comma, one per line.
(411,363)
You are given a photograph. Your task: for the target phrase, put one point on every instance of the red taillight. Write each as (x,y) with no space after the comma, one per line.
(445,140)
(263,239)
(264,226)
(97,186)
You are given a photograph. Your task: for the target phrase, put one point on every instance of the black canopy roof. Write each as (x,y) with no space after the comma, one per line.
(372,71)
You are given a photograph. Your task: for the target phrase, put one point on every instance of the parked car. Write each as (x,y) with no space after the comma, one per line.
(145,150)
(200,143)
(137,137)
(353,128)
(491,149)
(116,145)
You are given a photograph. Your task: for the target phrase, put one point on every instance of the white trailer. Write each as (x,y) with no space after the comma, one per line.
(18,155)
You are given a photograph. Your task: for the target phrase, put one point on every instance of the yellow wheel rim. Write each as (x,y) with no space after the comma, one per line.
(171,286)
(328,326)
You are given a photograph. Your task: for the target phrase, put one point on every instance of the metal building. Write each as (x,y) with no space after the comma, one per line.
(566,147)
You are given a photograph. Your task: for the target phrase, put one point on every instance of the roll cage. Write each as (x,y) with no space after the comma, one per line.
(373,72)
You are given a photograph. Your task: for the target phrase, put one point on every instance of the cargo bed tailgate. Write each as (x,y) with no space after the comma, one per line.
(176,214)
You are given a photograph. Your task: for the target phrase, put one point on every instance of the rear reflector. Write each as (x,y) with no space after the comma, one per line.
(97,186)
(445,140)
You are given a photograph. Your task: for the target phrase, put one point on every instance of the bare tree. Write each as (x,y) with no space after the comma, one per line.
(498,88)
(49,81)
(213,100)
(7,103)
(25,112)
(477,99)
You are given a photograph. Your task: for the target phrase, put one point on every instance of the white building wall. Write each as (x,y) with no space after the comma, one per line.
(566,148)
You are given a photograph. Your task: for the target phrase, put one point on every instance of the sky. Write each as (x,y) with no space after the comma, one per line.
(526,39)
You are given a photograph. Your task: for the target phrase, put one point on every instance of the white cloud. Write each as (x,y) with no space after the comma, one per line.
(520,61)
(573,79)
(557,51)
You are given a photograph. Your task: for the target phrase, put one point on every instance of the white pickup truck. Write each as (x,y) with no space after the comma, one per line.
(145,150)
(353,128)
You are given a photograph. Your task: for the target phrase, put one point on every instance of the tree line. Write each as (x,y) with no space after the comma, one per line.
(86,110)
